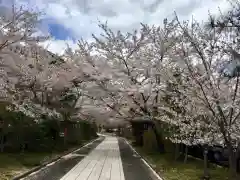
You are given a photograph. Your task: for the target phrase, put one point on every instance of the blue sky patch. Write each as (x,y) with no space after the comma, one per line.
(6,3)
(58,31)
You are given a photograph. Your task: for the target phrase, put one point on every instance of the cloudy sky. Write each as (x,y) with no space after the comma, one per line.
(69,20)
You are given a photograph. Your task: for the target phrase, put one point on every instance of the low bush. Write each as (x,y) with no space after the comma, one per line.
(149,141)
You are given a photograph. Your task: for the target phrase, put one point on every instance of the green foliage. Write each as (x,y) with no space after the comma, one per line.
(87,130)
(149,141)
(166,131)
(94,129)
(21,133)
(169,147)
(12,164)
(127,133)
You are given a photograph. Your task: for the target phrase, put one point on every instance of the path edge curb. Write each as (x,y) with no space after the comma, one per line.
(20,176)
(145,161)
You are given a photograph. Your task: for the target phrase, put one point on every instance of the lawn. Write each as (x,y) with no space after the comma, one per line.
(169,169)
(13,164)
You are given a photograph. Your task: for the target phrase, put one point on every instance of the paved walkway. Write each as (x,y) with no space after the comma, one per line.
(103,163)
(108,158)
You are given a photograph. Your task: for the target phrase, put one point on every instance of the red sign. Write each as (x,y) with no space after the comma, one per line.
(65,132)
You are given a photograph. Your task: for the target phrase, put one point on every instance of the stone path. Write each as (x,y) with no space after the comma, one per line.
(103,163)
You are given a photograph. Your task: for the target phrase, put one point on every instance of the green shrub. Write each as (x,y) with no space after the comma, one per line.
(127,133)
(23,134)
(169,146)
(149,141)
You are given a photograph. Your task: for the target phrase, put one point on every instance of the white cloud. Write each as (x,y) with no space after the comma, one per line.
(81,16)
(59,46)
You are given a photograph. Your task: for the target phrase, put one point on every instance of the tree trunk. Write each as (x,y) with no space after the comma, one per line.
(137,131)
(177,151)
(2,143)
(238,158)
(206,172)
(23,147)
(186,154)
(232,161)
(158,138)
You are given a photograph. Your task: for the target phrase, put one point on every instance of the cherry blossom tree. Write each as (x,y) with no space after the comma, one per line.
(126,64)
(29,73)
(205,57)
(183,74)
(130,73)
